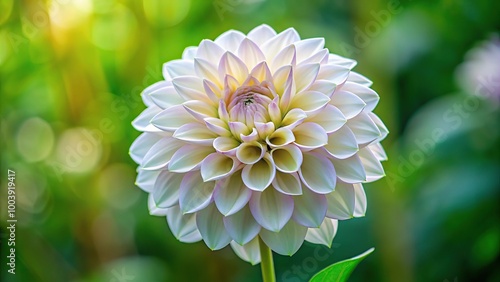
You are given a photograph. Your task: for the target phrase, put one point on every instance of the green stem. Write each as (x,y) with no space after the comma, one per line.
(266,262)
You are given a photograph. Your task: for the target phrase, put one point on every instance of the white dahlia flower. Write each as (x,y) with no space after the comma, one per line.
(258,135)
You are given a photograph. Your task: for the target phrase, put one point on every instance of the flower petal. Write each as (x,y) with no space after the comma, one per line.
(188,157)
(250,53)
(342,143)
(210,51)
(234,66)
(284,57)
(364,129)
(350,170)
(287,183)
(341,202)
(180,67)
(160,154)
(211,226)
(318,173)
(144,121)
(217,126)
(189,52)
(309,136)
(166,97)
(172,118)
(324,234)
(275,113)
(194,194)
(320,57)
(250,153)
(309,208)
(369,96)
(305,75)
(216,166)
(280,137)
(145,95)
(381,126)
(146,179)
(249,252)
(207,70)
(242,226)
(342,61)
(378,151)
(330,118)
(261,34)
(360,200)
(230,40)
(195,133)
(190,88)
(259,175)
(308,47)
(166,189)
(348,103)
(287,241)
(200,110)
(264,129)
(373,167)
(287,159)
(324,86)
(155,210)
(226,145)
(359,79)
(271,209)
(334,73)
(293,118)
(310,101)
(238,128)
(231,194)
(183,226)
(272,46)
(261,72)
(142,144)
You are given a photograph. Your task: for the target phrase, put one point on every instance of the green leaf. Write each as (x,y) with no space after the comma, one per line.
(340,271)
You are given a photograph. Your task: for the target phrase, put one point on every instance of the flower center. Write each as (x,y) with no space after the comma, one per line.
(249,104)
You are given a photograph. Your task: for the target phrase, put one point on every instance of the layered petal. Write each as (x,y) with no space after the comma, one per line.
(309,208)
(318,173)
(166,189)
(161,153)
(211,226)
(231,194)
(216,166)
(341,202)
(271,209)
(324,234)
(287,241)
(183,226)
(287,183)
(249,252)
(242,226)
(194,194)
(188,157)
(258,176)
(350,170)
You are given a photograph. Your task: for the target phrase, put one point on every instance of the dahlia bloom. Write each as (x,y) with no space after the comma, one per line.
(258,135)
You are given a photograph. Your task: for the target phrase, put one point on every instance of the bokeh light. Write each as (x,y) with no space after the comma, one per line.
(71,74)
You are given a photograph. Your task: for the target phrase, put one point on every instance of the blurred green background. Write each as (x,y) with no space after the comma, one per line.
(71,72)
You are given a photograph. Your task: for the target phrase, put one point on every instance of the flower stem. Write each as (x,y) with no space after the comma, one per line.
(266,262)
